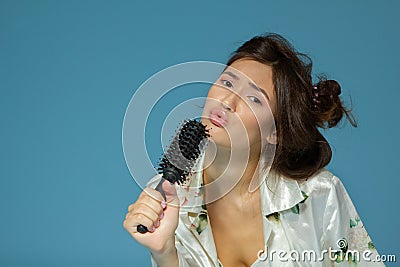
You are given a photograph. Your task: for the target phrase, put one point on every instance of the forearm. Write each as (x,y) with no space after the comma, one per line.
(167,257)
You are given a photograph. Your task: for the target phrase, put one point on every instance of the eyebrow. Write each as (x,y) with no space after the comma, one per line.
(234,76)
(255,87)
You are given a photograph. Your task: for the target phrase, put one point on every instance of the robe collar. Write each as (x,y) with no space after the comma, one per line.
(278,193)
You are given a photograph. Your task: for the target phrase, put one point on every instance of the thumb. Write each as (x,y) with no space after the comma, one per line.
(171,196)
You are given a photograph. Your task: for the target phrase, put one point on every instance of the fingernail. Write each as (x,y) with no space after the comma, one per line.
(161,215)
(157,224)
(152,228)
(163,205)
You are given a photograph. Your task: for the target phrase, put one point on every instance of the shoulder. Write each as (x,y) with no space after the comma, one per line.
(326,190)
(322,182)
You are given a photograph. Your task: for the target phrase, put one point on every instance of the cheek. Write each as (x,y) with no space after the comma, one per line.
(214,91)
(251,116)
(212,96)
(250,122)
(257,121)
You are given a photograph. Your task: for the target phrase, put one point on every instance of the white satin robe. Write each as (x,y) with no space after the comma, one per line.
(312,215)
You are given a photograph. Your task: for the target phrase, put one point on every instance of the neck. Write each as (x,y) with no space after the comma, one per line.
(230,174)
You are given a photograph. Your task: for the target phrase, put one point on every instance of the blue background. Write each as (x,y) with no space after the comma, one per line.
(69,68)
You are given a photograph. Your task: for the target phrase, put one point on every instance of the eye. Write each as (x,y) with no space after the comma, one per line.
(255,99)
(227,83)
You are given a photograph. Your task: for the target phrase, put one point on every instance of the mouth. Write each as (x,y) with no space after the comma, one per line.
(218,117)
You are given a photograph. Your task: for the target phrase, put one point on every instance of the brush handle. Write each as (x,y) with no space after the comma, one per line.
(141,228)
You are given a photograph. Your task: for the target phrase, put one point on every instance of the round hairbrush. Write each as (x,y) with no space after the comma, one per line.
(179,159)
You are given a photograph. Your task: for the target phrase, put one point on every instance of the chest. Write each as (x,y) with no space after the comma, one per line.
(238,235)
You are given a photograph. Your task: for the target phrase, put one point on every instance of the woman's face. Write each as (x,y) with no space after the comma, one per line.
(239,106)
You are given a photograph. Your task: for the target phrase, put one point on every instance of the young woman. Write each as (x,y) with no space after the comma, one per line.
(244,207)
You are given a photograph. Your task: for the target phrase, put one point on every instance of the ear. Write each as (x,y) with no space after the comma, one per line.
(272,138)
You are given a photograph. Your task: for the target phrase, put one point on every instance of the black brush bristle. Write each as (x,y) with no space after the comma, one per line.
(182,153)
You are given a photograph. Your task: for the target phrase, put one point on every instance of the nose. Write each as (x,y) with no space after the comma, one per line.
(226,107)
(229,102)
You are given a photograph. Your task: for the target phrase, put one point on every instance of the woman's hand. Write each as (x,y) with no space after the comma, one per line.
(158,215)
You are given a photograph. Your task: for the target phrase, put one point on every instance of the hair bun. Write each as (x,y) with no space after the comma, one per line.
(329,88)
(328,105)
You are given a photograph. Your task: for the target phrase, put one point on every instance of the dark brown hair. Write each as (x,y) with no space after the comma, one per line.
(302,106)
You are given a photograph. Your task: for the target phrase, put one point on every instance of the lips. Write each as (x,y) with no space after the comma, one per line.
(218,117)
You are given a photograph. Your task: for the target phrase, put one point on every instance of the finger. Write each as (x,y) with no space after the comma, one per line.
(148,211)
(146,202)
(129,214)
(150,199)
(152,193)
(130,207)
(155,205)
(132,222)
(170,193)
